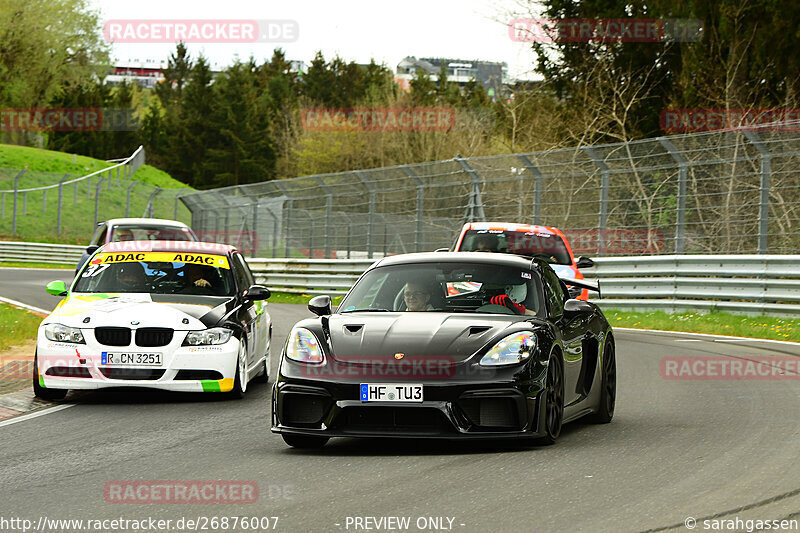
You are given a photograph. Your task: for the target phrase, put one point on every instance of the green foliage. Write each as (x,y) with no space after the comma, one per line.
(19,326)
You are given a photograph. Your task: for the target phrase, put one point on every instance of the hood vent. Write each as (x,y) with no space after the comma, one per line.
(353,329)
(477,330)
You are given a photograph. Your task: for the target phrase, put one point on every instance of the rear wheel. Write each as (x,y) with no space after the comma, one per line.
(554,403)
(608,396)
(304,441)
(42,392)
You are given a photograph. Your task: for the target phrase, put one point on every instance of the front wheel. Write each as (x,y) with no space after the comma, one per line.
(240,381)
(554,403)
(41,392)
(304,441)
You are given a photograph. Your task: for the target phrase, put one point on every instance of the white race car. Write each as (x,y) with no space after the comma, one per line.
(180,316)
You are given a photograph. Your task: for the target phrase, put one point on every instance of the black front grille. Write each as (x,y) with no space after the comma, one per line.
(148,337)
(414,419)
(491,412)
(68,372)
(303,409)
(133,373)
(113,336)
(198,374)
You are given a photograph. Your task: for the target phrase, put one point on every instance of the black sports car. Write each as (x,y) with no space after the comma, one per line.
(457,345)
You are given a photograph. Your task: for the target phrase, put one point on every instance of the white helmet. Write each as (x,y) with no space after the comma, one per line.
(517,293)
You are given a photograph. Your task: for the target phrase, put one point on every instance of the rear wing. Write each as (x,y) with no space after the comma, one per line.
(584,284)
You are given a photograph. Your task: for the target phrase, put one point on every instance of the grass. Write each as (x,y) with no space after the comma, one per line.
(55,266)
(291,298)
(718,323)
(19,326)
(37,215)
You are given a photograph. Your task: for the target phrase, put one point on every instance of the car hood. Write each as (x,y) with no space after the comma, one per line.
(180,312)
(365,337)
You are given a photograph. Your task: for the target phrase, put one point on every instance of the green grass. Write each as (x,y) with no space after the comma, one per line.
(37,221)
(718,323)
(14,264)
(291,298)
(19,326)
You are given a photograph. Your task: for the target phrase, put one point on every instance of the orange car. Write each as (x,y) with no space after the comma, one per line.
(529,240)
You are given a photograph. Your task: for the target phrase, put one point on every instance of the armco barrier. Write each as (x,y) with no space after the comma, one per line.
(34,252)
(750,284)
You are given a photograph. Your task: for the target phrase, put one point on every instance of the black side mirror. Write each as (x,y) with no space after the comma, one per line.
(442,250)
(258,292)
(92,248)
(584,262)
(577,307)
(320,305)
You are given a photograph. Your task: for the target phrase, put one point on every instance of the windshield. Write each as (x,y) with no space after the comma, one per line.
(157,273)
(150,233)
(546,246)
(448,287)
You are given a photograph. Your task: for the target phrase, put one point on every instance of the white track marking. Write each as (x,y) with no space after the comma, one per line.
(716,337)
(36,414)
(27,307)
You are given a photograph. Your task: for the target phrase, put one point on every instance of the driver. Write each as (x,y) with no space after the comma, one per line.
(512,298)
(486,242)
(195,276)
(417,297)
(131,277)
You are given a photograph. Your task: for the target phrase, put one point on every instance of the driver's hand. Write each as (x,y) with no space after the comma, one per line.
(202,283)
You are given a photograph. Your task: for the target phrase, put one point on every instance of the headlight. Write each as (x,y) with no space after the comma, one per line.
(62,333)
(511,350)
(207,336)
(304,347)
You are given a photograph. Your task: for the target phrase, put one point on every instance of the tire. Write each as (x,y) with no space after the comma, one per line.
(304,441)
(42,392)
(608,396)
(240,381)
(554,403)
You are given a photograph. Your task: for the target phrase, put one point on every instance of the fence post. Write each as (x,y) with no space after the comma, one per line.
(128,199)
(175,209)
(537,187)
(97,200)
(763,189)
(89,188)
(44,201)
(475,206)
(3,205)
(117,176)
(25,203)
(604,184)
(680,219)
(150,206)
(420,205)
(75,194)
(14,215)
(60,203)
(328,214)
(371,188)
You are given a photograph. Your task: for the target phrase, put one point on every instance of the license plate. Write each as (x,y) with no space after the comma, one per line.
(391,392)
(130,359)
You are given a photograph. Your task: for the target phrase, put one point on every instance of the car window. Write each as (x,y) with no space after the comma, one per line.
(545,246)
(157,273)
(99,237)
(449,287)
(554,292)
(144,232)
(243,277)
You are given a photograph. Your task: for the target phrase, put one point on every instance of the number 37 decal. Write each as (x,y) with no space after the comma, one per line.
(94,270)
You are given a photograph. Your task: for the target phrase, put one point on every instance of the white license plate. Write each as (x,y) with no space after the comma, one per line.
(130,359)
(391,392)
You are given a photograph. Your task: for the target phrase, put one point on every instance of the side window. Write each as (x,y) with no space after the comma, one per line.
(100,234)
(554,292)
(244,279)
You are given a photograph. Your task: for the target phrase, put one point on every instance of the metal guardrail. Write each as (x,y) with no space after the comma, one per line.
(34,252)
(750,284)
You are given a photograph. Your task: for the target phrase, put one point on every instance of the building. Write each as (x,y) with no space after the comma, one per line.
(147,74)
(491,75)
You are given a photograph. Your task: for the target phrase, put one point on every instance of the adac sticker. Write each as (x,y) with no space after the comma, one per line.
(218,261)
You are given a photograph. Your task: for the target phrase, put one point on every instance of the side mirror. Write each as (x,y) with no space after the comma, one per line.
(442,250)
(584,262)
(577,307)
(258,292)
(320,305)
(57,288)
(91,249)
(574,292)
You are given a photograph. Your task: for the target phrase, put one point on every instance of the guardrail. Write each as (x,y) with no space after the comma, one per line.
(35,252)
(753,284)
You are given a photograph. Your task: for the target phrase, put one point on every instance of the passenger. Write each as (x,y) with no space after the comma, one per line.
(486,242)
(417,297)
(512,298)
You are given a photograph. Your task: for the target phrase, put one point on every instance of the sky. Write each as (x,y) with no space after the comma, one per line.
(356,30)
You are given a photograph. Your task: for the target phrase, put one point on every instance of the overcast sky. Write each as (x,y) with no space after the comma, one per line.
(357,30)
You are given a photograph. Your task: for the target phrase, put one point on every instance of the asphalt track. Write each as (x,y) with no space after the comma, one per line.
(675,449)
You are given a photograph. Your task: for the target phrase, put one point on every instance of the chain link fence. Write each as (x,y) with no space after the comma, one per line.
(39,205)
(731,192)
